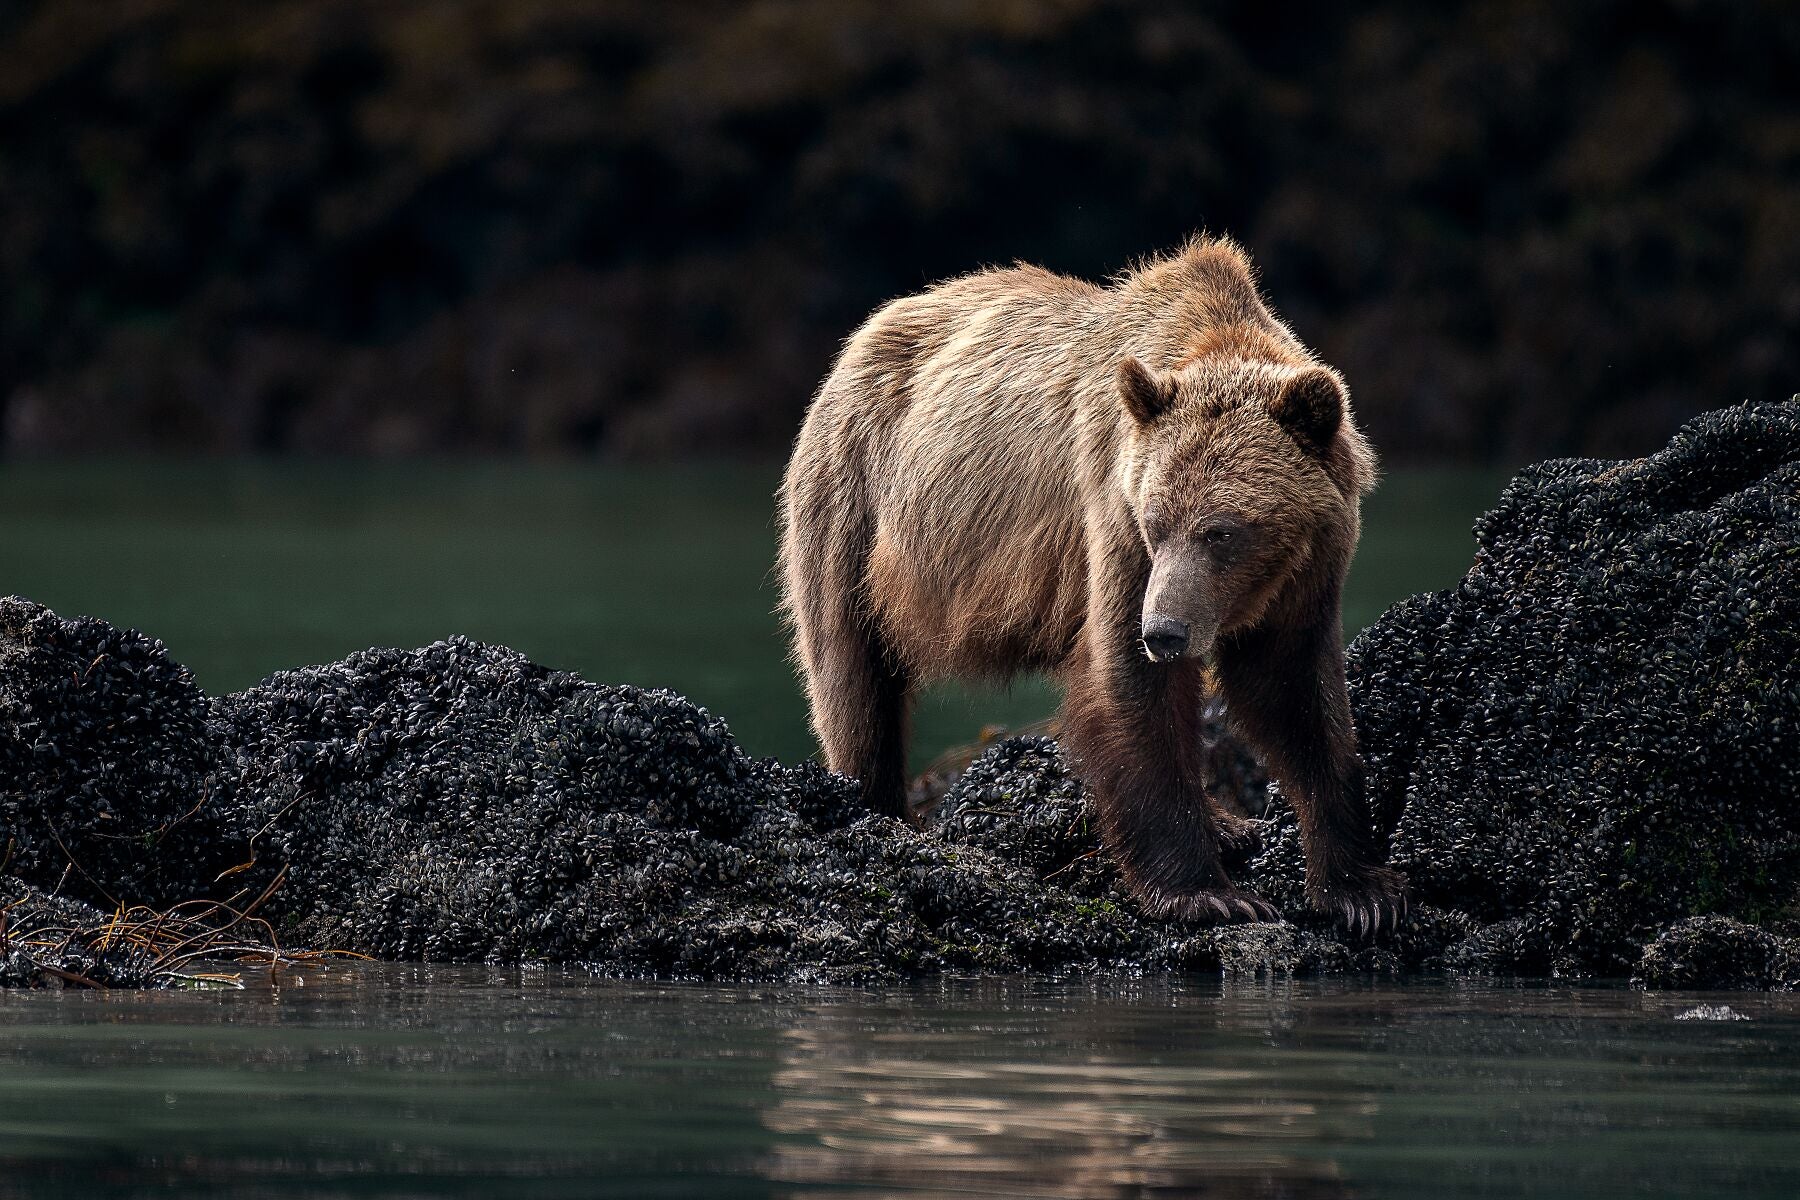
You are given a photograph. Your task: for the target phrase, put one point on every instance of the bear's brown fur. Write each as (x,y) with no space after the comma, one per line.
(1015,470)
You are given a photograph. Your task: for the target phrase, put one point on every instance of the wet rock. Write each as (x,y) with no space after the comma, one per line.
(105,761)
(1516,946)
(45,943)
(1589,740)
(459,803)
(1598,731)
(1718,952)
(1281,950)
(1019,803)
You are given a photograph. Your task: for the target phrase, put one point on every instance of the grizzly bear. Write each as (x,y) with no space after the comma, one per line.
(1149,489)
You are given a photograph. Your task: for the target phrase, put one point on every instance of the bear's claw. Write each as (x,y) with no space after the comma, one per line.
(1218,906)
(1369,912)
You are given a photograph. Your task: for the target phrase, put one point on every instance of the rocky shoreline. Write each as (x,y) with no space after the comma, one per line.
(1587,752)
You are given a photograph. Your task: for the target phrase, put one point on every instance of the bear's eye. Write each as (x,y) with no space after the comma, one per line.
(1217,535)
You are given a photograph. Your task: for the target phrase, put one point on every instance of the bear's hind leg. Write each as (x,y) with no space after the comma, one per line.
(860,701)
(857,690)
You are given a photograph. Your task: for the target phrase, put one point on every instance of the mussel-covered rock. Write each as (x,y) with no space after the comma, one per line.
(55,941)
(1718,952)
(1598,731)
(107,767)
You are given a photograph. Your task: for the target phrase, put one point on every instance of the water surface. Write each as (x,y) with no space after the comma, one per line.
(422,1081)
(658,576)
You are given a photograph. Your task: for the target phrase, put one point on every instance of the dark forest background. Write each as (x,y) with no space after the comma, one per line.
(640,228)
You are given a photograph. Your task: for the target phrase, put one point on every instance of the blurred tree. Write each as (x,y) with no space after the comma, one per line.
(640,228)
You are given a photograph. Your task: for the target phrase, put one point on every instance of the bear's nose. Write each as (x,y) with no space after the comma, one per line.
(1164,637)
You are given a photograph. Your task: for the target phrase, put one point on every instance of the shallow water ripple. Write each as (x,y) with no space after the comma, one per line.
(417,1081)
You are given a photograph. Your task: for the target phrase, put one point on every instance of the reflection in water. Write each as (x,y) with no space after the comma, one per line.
(418,1081)
(862,1114)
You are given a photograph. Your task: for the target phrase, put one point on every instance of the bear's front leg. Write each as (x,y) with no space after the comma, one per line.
(1133,735)
(1287,698)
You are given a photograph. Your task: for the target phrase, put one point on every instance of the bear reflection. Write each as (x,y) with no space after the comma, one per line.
(859,1111)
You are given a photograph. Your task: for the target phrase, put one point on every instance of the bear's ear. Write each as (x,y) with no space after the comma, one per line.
(1147,395)
(1310,407)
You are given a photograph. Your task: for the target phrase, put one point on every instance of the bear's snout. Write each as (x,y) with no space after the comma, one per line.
(1164,637)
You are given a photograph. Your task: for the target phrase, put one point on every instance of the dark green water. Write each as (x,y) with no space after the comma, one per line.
(653,576)
(395,1081)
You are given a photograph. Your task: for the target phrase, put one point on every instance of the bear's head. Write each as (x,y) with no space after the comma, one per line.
(1244,479)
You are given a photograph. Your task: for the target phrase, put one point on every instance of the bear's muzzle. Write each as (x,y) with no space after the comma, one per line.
(1164,638)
